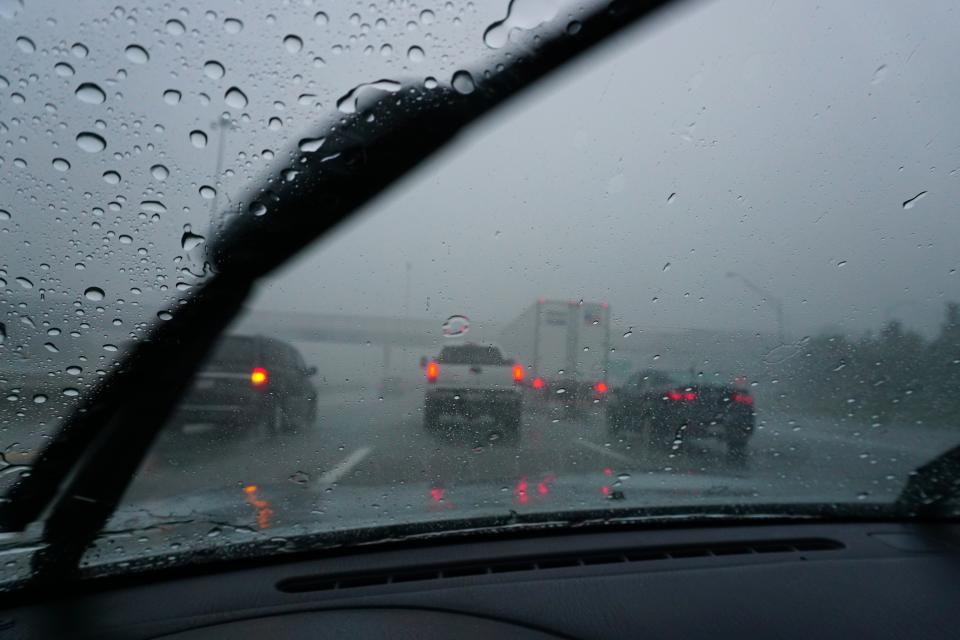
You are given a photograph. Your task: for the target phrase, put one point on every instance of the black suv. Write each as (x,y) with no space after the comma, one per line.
(250,384)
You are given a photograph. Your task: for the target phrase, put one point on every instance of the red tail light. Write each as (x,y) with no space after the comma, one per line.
(432,371)
(258,377)
(689,395)
(677,396)
(517,372)
(538,383)
(743,398)
(674,395)
(600,387)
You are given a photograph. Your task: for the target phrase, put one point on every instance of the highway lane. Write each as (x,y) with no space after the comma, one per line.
(365,441)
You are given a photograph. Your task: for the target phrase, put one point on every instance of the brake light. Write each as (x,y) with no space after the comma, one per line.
(432,371)
(258,377)
(538,383)
(600,387)
(517,372)
(689,395)
(674,395)
(743,398)
(677,396)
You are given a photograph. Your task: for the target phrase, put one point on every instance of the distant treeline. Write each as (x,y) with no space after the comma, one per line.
(895,375)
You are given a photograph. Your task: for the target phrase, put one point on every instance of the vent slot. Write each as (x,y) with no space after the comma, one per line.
(421,574)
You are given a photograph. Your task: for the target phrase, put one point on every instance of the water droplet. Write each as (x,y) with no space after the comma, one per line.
(292,43)
(74,370)
(628,332)
(159,172)
(656,357)
(235,98)
(190,241)
(175,27)
(427,16)
(309,145)
(198,138)
(164,315)
(207,192)
(70,392)
(63,69)
(153,206)
(60,164)
(671,198)
(321,19)
(299,477)
(415,54)
(573,27)
(172,97)
(52,348)
(90,93)
(111,177)
(275,124)
(912,202)
(79,50)
(125,239)
(348,102)
(430,82)
(463,82)
(4,214)
(137,54)
(257,208)
(842,263)
(91,142)
(879,74)
(456,325)
(213,69)
(39,398)
(110,347)
(561,391)
(232,25)
(94,293)
(24,282)
(26,44)
(666,267)
(526,15)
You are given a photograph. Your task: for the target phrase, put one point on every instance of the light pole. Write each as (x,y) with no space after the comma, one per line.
(767,297)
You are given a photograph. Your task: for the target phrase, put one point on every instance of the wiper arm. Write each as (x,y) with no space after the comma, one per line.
(77,481)
(932,486)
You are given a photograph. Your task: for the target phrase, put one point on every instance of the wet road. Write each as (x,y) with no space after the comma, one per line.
(380,443)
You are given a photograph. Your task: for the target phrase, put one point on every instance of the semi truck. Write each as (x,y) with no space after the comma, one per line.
(565,346)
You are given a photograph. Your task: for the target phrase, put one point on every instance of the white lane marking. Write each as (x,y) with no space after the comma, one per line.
(343,467)
(604,450)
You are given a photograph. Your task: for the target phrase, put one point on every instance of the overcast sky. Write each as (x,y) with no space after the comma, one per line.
(791,135)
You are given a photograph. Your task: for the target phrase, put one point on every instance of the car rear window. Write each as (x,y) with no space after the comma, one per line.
(471,354)
(234,352)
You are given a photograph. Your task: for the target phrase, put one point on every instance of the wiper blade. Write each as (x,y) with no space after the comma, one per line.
(80,477)
(932,486)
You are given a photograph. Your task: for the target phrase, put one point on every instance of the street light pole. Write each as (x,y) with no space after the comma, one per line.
(770,299)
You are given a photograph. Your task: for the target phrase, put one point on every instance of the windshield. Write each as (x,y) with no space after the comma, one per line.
(744,208)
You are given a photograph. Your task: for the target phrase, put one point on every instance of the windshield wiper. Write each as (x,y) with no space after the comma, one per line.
(77,481)
(932,486)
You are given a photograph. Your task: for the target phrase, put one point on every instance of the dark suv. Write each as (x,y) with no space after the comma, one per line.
(250,384)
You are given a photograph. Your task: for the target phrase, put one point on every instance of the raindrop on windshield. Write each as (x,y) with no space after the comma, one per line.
(159,172)
(4,214)
(164,315)
(232,25)
(321,19)
(198,138)
(90,93)
(415,54)
(91,142)
(110,347)
(257,208)
(175,27)
(171,97)
(842,263)
(94,293)
(521,14)
(299,478)
(293,43)
(455,326)
(60,164)
(24,282)
(79,50)
(207,192)
(628,332)
(39,398)
(235,98)
(348,102)
(74,370)
(666,267)
(52,348)
(63,69)
(71,392)
(879,74)
(153,206)
(26,44)
(463,82)
(912,202)
(137,54)
(671,198)
(573,28)
(111,177)
(309,145)
(213,69)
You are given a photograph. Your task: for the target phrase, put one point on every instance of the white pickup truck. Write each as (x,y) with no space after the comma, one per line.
(474,382)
